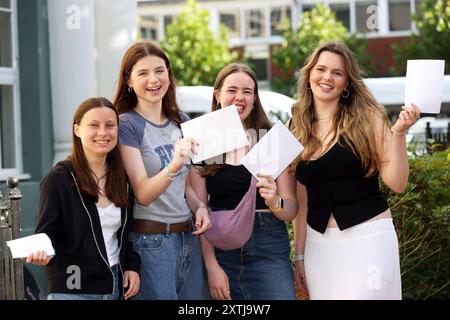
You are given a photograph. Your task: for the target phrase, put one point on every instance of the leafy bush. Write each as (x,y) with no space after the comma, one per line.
(421,216)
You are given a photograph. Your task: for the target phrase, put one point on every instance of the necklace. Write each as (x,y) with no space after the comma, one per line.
(324,119)
(100,189)
(161,130)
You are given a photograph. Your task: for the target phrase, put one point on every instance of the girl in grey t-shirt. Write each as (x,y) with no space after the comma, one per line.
(155,157)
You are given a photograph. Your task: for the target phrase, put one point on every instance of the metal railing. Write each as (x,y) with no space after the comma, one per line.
(11,270)
(440,138)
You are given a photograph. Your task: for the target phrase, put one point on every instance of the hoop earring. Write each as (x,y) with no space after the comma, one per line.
(346,95)
(308,86)
(130,89)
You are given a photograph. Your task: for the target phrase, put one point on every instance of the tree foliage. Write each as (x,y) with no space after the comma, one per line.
(316,26)
(433,40)
(421,215)
(195,52)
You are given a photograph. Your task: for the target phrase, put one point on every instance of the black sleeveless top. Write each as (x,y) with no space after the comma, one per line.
(228,186)
(336,184)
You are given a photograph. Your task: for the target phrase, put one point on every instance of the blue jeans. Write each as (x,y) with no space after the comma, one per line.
(171,266)
(261,269)
(71,296)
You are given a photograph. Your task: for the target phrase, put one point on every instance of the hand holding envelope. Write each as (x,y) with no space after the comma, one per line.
(216,133)
(273,153)
(26,246)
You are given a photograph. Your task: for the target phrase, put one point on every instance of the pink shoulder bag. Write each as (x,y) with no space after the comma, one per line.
(232,228)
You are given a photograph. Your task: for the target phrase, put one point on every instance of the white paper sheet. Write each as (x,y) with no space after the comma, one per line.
(273,153)
(22,247)
(424,84)
(217,132)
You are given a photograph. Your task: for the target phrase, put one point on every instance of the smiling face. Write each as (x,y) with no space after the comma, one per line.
(150,80)
(97,131)
(328,78)
(238,89)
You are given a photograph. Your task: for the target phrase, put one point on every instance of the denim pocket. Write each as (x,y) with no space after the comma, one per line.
(152,242)
(274,226)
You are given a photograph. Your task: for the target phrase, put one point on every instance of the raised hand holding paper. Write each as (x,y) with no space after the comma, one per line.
(216,132)
(22,247)
(273,153)
(424,84)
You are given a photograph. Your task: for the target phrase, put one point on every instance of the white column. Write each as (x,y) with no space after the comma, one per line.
(72,67)
(87,41)
(383,17)
(115,31)
(214,22)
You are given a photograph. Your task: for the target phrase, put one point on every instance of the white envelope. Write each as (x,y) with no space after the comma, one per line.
(273,153)
(216,132)
(424,84)
(22,247)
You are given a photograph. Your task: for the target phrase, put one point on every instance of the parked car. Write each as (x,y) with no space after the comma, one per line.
(196,100)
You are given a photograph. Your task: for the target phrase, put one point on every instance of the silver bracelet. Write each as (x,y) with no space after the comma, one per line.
(169,175)
(299,257)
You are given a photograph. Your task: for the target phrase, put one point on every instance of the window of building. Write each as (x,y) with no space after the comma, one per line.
(260,68)
(417,7)
(255,27)
(149,26)
(366,16)
(5,36)
(342,11)
(278,17)
(399,15)
(7,136)
(10,146)
(167,20)
(231,20)
(5,4)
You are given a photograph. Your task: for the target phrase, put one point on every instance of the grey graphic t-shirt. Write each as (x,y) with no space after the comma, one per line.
(156,144)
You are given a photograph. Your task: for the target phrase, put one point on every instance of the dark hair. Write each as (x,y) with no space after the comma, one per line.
(115,183)
(257,119)
(125,100)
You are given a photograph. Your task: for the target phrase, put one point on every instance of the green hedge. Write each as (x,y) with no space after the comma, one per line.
(421,216)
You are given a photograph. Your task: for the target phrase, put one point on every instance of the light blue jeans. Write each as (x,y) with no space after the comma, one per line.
(261,269)
(171,266)
(70,296)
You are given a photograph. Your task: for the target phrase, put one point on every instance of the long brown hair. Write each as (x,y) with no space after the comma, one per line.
(354,119)
(257,119)
(124,100)
(115,183)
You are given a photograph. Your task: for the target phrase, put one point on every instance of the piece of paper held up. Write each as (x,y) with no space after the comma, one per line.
(424,84)
(273,153)
(22,247)
(216,132)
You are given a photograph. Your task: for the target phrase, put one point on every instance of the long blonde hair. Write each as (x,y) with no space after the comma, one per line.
(354,121)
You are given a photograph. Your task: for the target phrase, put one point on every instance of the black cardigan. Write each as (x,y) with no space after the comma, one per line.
(71,221)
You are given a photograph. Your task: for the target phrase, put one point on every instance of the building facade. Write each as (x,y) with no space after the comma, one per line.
(255,26)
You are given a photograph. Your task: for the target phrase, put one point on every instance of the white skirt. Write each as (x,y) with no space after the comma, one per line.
(361,262)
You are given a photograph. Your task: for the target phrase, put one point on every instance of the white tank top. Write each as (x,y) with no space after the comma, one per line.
(110,220)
